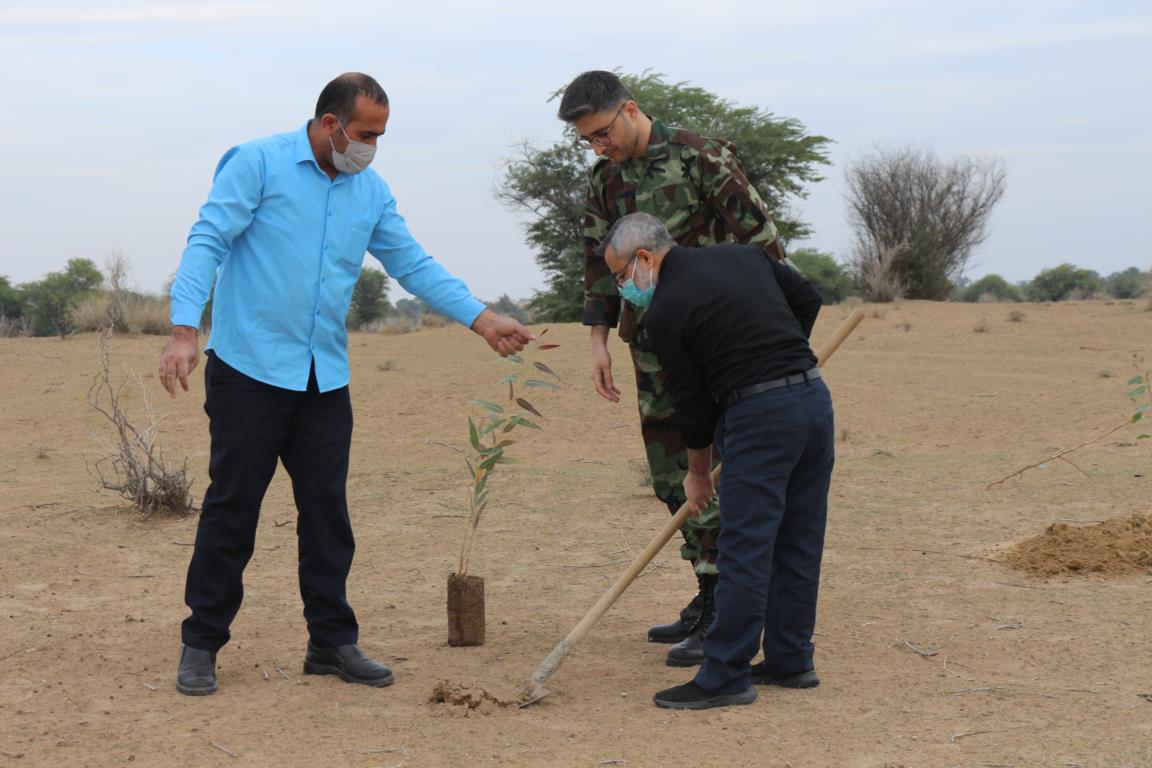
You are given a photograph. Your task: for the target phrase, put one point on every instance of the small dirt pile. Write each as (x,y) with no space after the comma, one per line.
(1119,546)
(472,697)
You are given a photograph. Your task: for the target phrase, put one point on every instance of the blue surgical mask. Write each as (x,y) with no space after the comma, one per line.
(633,295)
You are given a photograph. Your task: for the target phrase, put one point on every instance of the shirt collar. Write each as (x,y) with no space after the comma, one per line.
(303,151)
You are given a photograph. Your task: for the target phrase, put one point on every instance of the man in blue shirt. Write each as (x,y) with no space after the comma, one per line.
(283,235)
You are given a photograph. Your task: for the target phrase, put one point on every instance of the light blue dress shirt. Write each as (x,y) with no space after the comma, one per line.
(284,244)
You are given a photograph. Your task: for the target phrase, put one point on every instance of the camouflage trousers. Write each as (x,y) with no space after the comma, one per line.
(668,457)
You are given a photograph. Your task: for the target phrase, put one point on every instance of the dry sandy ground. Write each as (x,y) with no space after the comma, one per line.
(932,652)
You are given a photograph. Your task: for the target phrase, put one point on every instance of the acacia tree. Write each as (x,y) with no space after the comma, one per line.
(548,184)
(369,299)
(918,219)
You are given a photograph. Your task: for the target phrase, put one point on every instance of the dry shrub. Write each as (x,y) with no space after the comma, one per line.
(14,327)
(131,314)
(981,327)
(878,273)
(1015,316)
(133,463)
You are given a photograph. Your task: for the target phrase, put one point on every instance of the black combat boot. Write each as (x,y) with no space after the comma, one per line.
(679,629)
(690,651)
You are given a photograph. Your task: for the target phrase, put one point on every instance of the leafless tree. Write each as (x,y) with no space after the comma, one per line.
(924,215)
(117,269)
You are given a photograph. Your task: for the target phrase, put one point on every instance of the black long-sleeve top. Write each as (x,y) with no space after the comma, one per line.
(723,319)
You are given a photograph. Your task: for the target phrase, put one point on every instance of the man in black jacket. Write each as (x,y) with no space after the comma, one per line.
(730,327)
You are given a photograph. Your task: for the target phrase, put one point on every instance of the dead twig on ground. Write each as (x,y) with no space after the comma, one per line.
(923,652)
(149,686)
(280,669)
(223,748)
(929,552)
(1061,456)
(957,736)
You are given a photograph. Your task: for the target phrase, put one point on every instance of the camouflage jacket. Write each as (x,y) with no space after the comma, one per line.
(694,184)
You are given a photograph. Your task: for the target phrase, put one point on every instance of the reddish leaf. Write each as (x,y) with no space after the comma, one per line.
(546,347)
(546,369)
(528,406)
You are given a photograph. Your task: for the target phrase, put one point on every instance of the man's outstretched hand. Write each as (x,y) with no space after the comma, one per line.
(180,356)
(503,334)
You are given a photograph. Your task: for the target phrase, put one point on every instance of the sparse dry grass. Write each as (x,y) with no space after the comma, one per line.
(1016,316)
(982,326)
(98,312)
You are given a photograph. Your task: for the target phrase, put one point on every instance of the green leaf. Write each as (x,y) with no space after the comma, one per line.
(509,379)
(473,435)
(514,359)
(525,422)
(490,462)
(1138,391)
(1135,380)
(1143,406)
(546,369)
(1144,437)
(511,393)
(471,468)
(528,407)
(1136,417)
(490,406)
(540,383)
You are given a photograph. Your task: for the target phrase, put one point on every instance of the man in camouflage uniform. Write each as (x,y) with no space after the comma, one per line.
(697,188)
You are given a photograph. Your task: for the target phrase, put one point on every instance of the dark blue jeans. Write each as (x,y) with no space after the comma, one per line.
(778,450)
(253,425)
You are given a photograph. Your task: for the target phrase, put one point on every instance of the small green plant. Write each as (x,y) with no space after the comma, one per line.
(488,437)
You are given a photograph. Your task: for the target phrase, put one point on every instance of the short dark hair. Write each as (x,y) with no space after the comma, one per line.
(592,92)
(339,96)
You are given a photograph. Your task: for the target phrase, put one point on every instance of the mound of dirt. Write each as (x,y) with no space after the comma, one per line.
(472,697)
(1119,546)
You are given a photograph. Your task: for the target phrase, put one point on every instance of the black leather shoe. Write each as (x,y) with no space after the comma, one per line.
(689,652)
(692,696)
(806,679)
(197,673)
(348,663)
(679,629)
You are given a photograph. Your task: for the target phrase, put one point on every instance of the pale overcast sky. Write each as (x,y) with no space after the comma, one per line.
(114,114)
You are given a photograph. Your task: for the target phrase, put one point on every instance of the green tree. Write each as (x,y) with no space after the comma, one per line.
(506,306)
(11,300)
(549,184)
(918,219)
(369,299)
(50,301)
(1129,284)
(1066,281)
(991,285)
(831,277)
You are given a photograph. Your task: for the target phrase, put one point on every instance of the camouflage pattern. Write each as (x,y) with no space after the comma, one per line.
(695,185)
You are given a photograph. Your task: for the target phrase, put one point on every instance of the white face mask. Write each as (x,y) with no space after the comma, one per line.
(355,158)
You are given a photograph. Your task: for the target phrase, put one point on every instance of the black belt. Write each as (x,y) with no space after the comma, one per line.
(740,393)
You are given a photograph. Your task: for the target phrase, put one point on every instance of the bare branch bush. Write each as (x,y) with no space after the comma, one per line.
(133,464)
(877,272)
(117,270)
(936,213)
(14,327)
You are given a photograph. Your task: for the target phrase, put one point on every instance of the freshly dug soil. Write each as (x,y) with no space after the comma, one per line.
(474,697)
(1119,546)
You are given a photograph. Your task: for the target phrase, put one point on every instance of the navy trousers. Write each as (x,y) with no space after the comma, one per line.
(778,450)
(253,425)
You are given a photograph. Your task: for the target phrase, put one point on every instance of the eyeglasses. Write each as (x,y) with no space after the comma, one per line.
(599,138)
(618,277)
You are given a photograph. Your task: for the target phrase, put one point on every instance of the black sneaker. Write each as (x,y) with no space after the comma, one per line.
(692,696)
(348,663)
(806,679)
(196,675)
